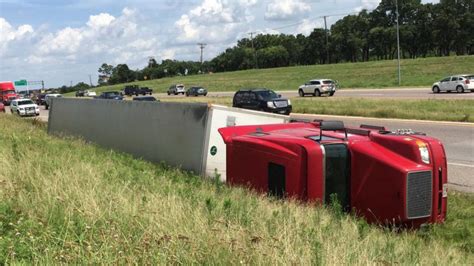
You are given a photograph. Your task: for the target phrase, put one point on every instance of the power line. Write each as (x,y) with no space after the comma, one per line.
(313,18)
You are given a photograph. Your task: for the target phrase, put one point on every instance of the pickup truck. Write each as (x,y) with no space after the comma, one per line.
(135,90)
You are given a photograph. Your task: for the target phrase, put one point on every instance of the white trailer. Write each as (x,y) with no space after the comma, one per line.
(183,135)
(214,152)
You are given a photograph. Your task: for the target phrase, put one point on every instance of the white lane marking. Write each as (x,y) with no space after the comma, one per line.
(461,164)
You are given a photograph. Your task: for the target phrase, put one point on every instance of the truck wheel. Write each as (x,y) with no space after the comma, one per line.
(460,89)
(331,93)
(168,93)
(317,93)
(46,106)
(435,89)
(301,93)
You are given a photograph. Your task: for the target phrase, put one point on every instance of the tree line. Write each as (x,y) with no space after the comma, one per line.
(425,30)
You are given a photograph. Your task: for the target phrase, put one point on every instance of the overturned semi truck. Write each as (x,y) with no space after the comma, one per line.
(388,177)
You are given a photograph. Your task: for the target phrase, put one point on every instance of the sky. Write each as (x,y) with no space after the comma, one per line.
(64,42)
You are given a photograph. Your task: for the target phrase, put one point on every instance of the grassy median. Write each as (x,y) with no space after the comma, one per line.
(373,74)
(65,201)
(437,110)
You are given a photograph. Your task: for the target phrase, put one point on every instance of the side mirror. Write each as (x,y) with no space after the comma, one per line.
(279,95)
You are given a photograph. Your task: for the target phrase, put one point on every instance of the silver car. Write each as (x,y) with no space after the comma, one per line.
(458,83)
(317,87)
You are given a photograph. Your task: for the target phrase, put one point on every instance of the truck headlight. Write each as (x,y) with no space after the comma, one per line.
(289,102)
(424,153)
(271,105)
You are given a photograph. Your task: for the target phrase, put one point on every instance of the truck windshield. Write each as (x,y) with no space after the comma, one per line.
(25,102)
(8,92)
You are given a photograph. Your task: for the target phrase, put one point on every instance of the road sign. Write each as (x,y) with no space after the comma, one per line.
(22,82)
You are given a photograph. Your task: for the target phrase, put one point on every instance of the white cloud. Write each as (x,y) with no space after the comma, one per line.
(8,34)
(367,4)
(286,9)
(214,21)
(101,20)
(307,26)
(67,41)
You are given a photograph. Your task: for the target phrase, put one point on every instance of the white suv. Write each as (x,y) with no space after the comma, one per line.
(317,87)
(24,107)
(458,83)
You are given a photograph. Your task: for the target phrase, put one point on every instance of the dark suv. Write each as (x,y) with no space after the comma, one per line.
(130,90)
(110,95)
(196,91)
(262,100)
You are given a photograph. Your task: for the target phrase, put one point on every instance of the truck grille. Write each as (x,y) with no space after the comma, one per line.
(281,104)
(419,194)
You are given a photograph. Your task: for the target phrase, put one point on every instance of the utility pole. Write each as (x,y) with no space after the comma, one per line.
(90,79)
(201,45)
(398,45)
(253,48)
(327,39)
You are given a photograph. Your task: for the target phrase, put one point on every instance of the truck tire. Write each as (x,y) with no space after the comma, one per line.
(331,93)
(301,93)
(316,93)
(46,106)
(459,89)
(436,89)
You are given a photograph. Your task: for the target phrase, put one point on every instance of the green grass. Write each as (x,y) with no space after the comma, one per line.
(437,110)
(374,74)
(65,201)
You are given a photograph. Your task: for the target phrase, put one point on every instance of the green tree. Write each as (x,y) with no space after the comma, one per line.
(105,72)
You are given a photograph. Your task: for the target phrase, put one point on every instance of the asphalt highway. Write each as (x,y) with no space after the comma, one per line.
(405,93)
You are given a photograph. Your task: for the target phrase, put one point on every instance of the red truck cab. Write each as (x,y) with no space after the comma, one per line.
(397,178)
(7,92)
